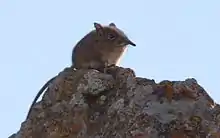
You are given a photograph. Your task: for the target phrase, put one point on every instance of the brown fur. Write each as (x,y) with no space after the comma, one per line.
(96,50)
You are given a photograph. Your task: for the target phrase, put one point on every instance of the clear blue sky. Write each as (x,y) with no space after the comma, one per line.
(175,39)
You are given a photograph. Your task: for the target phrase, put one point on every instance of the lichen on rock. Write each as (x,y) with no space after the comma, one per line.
(91,104)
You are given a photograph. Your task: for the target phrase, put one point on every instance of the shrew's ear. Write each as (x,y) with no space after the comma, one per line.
(112,24)
(99,29)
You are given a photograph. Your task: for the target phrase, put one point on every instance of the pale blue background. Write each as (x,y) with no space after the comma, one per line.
(175,39)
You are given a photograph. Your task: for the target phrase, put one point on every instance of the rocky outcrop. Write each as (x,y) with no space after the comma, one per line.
(117,104)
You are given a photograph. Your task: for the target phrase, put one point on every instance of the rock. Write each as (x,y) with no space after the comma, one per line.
(117,104)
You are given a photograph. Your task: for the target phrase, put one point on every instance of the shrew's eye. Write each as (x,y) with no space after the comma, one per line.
(111,37)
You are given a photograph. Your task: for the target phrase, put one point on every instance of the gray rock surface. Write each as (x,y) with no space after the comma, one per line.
(117,104)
